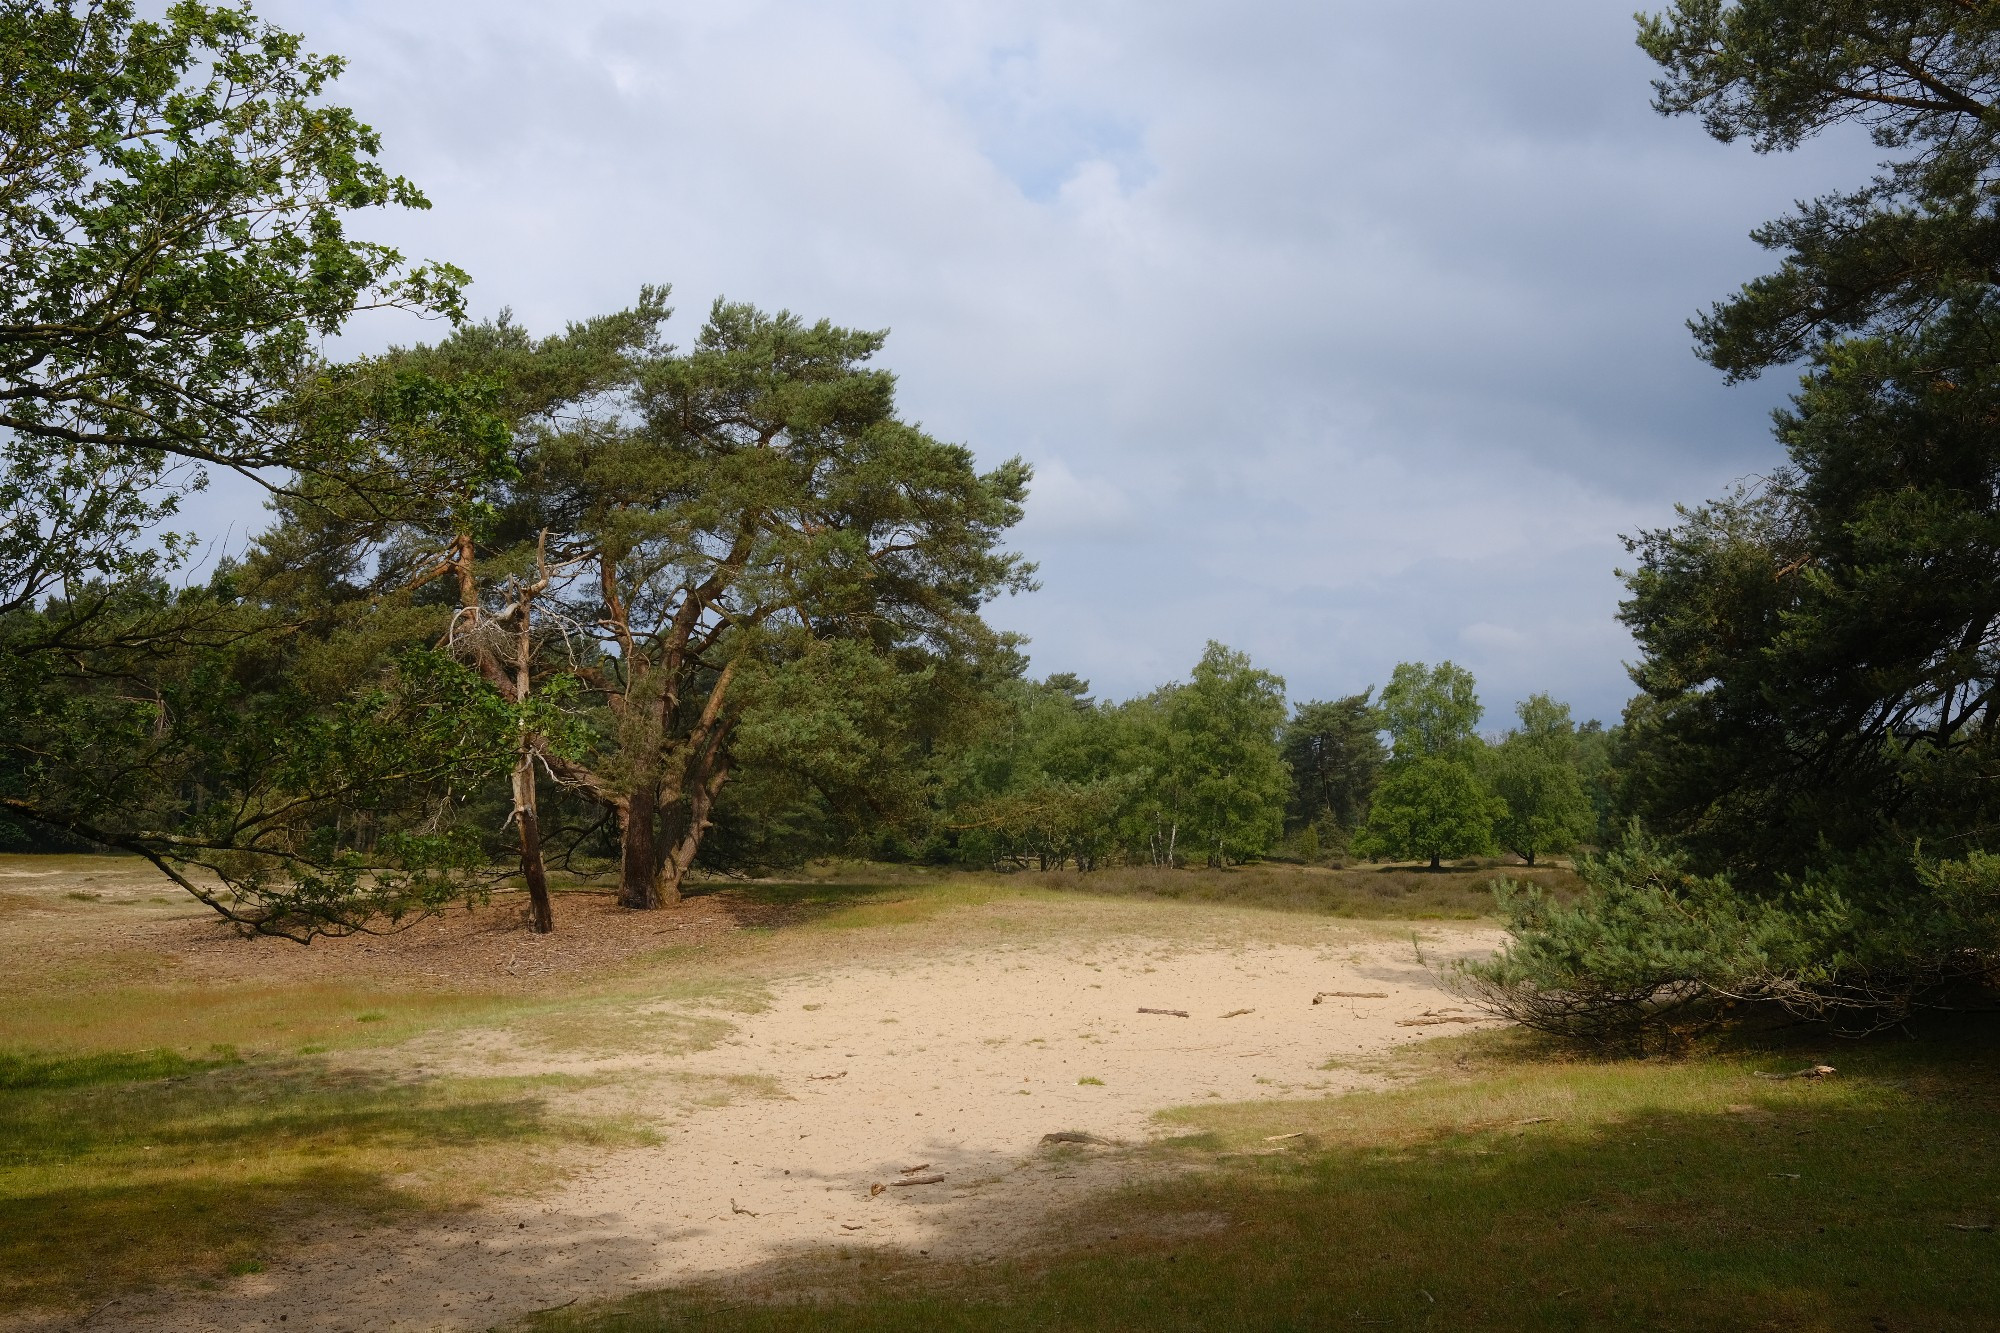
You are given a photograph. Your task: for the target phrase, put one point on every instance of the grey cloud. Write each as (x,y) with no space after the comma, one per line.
(1341,332)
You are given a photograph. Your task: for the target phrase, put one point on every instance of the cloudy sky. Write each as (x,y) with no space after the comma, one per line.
(1346,332)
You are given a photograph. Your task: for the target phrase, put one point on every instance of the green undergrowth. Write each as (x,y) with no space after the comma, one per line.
(863,896)
(1509,1187)
(124,1168)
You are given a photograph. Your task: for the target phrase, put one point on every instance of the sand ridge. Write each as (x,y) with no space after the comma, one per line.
(851,1079)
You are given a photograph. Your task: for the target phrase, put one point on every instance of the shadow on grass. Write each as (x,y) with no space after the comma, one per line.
(120,1170)
(1546,1195)
(1452,893)
(1396,893)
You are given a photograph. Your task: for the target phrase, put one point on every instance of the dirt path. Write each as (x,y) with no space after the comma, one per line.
(845,1081)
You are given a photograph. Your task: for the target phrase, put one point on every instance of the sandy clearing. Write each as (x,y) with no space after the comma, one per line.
(958,1063)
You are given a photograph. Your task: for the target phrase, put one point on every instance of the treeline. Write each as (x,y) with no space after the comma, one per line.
(1217,770)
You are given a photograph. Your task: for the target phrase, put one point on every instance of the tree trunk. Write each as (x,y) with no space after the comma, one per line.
(541,914)
(1531,860)
(680,858)
(1434,860)
(639,863)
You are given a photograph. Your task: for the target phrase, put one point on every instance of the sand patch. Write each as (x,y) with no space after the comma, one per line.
(838,1088)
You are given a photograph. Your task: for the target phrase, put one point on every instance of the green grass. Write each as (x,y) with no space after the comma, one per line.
(1383,893)
(1523,1191)
(118,1169)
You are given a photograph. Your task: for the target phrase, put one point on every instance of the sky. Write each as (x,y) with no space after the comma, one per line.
(1345,333)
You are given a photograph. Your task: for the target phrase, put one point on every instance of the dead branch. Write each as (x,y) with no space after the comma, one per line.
(1351,995)
(916,1180)
(1177,1013)
(1810,1071)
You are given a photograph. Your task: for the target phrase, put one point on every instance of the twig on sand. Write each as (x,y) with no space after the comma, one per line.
(827,1078)
(1351,995)
(912,1170)
(916,1180)
(1074,1136)
(1810,1071)
(739,1209)
(98,1311)
(1238,1013)
(1435,1020)
(551,1309)
(1177,1013)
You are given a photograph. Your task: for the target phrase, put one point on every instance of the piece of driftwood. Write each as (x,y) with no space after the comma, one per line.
(912,1170)
(1238,1013)
(1435,1020)
(1177,1013)
(1810,1071)
(916,1180)
(827,1078)
(1351,995)
(1074,1136)
(735,1207)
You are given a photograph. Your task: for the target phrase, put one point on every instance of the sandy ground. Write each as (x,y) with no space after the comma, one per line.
(850,1084)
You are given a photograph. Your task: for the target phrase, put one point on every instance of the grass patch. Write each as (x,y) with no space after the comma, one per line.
(1515,1191)
(1383,893)
(127,1168)
(253,1018)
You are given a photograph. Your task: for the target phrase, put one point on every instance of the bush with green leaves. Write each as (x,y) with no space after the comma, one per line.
(1652,946)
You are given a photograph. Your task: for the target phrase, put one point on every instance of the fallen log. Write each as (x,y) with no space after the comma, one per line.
(916,1180)
(1810,1071)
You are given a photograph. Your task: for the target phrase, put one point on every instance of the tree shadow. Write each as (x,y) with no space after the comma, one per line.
(1564,1195)
(127,1169)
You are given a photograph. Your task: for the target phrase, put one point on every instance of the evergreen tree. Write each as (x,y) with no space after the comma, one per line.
(1534,773)
(1334,750)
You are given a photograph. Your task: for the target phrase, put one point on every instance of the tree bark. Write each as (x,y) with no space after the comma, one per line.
(1434,860)
(541,913)
(680,858)
(639,861)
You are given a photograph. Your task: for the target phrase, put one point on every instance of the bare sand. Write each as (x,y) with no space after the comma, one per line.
(846,1083)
